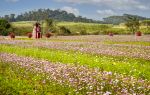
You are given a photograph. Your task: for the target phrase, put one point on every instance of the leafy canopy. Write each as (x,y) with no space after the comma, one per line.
(5,27)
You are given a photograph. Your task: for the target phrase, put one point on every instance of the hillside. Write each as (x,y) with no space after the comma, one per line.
(42,14)
(121,19)
(60,15)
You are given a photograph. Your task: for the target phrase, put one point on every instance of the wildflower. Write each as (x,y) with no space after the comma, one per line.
(44,81)
(107,93)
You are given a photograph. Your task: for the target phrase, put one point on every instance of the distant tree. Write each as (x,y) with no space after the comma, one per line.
(49,22)
(64,31)
(146,23)
(133,24)
(5,27)
(50,25)
(20,18)
(60,15)
(12,17)
(121,19)
(6,17)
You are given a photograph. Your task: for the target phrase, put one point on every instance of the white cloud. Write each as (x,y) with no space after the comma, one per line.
(115,4)
(71,10)
(106,13)
(143,7)
(12,0)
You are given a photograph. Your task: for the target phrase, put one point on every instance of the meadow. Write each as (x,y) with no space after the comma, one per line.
(77,28)
(75,65)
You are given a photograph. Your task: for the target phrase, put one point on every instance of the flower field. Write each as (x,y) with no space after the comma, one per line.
(75,65)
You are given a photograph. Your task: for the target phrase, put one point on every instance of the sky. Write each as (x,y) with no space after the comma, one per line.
(94,9)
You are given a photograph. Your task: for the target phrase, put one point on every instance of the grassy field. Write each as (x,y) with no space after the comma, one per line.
(130,43)
(15,80)
(21,28)
(69,65)
(75,28)
(91,28)
(23,23)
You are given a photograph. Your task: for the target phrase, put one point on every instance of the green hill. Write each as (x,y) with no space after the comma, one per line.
(42,14)
(121,19)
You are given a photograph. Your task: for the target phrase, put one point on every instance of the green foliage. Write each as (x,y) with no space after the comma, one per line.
(21,28)
(145,30)
(64,31)
(83,32)
(116,31)
(20,31)
(49,22)
(42,14)
(96,33)
(121,19)
(147,24)
(114,20)
(132,24)
(85,28)
(50,26)
(5,27)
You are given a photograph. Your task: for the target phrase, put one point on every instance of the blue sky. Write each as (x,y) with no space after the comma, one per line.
(95,9)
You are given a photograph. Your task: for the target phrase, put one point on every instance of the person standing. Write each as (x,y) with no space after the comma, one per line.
(37,31)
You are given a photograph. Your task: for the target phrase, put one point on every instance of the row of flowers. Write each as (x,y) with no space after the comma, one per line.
(100,38)
(48,35)
(12,35)
(85,80)
(88,47)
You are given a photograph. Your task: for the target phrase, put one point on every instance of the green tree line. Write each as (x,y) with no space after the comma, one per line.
(42,14)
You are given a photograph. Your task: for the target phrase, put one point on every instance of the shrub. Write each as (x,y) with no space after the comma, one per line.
(23,30)
(96,33)
(4,27)
(111,34)
(64,31)
(29,35)
(138,33)
(12,35)
(117,31)
(83,32)
(48,35)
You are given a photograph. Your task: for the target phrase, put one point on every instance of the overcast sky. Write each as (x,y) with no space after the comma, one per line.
(95,9)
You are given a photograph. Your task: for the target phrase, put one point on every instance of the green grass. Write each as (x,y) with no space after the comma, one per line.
(25,38)
(23,27)
(129,43)
(18,81)
(23,23)
(139,68)
(51,39)
(91,28)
